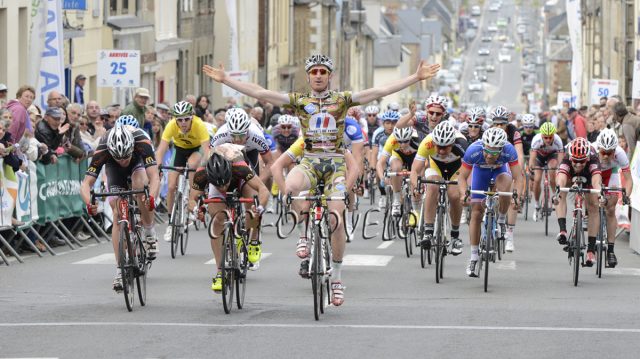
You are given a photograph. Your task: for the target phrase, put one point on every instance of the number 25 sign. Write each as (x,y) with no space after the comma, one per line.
(118,68)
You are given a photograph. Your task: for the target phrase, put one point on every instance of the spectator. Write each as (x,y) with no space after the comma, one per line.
(3,95)
(6,115)
(137,107)
(157,126)
(51,133)
(149,115)
(612,101)
(7,149)
(162,111)
(18,107)
(622,142)
(218,117)
(88,139)
(191,99)
(78,91)
(592,130)
(603,101)
(55,99)
(107,120)
(76,148)
(35,114)
(561,128)
(92,111)
(257,113)
(231,102)
(583,111)
(626,124)
(202,106)
(114,112)
(576,126)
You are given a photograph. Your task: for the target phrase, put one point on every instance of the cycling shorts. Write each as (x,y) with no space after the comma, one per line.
(181,155)
(482,178)
(448,171)
(407,159)
(119,178)
(542,161)
(332,170)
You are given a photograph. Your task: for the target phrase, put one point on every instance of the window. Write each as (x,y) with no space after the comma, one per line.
(113,7)
(125,6)
(121,7)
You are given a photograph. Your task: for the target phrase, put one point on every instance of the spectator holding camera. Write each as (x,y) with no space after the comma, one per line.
(50,132)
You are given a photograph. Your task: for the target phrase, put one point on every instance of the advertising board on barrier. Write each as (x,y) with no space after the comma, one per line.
(635,175)
(58,193)
(8,193)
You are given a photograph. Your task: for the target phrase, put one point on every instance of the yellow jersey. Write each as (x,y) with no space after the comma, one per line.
(192,139)
(296,150)
(392,146)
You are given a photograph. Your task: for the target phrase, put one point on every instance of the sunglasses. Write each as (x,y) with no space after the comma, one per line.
(318,71)
(285,127)
(492,152)
(607,153)
(529,127)
(405,141)
(238,136)
(371,115)
(183,119)
(434,113)
(547,137)
(83,124)
(474,126)
(579,162)
(438,147)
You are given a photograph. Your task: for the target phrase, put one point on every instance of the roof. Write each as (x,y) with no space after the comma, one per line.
(556,23)
(560,51)
(387,51)
(437,8)
(410,26)
(125,25)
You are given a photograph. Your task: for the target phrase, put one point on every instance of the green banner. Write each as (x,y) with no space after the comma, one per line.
(59,189)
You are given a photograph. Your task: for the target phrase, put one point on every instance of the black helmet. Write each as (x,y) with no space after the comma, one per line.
(218,170)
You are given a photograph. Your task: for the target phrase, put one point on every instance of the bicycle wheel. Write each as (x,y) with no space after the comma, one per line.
(439,245)
(526,197)
(545,210)
(141,275)
(241,274)
(316,276)
(184,238)
(388,222)
(601,243)
(486,259)
(227,268)
(406,229)
(126,267)
(578,233)
(176,218)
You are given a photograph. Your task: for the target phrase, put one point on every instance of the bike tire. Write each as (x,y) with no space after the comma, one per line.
(227,268)
(439,245)
(143,266)
(577,244)
(176,216)
(241,274)
(126,267)
(316,276)
(486,259)
(546,210)
(526,197)
(601,243)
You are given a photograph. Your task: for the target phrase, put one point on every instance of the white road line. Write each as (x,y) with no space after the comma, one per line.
(324,326)
(506,265)
(366,260)
(107,258)
(621,271)
(213,261)
(385,245)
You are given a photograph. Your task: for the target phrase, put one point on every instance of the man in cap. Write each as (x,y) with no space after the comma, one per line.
(50,132)
(137,107)
(3,95)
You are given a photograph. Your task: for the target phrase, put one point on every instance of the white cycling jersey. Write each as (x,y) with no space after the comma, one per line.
(255,138)
(538,145)
(618,160)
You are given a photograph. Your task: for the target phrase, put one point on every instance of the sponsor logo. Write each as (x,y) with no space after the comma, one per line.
(311,108)
(59,188)
(351,130)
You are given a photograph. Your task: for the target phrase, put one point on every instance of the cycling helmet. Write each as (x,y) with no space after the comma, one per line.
(318,59)
(403,134)
(403,111)
(218,170)
(530,120)
(120,143)
(372,110)
(238,121)
(286,120)
(494,137)
(444,134)
(476,115)
(127,120)
(274,119)
(182,109)
(579,149)
(393,106)
(547,129)
(500,115)
(607,140)
(436,101)
(390,116)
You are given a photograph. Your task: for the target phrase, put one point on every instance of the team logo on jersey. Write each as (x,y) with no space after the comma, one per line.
(311,108)
(351,130)
(322,123)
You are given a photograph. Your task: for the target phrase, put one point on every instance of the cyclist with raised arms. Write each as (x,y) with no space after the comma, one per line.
(436,109)
(612,159)
(493,158)
(322,112)
(127,154)
(581,162)
(444,148)
(190,139)
(546,150)
(227,170)
(500,118)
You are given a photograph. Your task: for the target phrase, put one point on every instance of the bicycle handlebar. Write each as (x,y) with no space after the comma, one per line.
(225,200)
(493,193)
(544,168)
(178,169)
(397,174)
(578,190)
(444,182)
(95,195)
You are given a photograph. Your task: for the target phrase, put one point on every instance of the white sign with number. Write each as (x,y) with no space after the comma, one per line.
(602,88)
(242,76)
(118,68)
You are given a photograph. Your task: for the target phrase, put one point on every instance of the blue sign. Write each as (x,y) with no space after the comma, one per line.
(74,4)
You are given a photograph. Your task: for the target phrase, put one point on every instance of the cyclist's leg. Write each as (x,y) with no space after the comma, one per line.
(217,212)
(592,227)
(537,179)
(455,210)
(561,208)
(300,179)
(612,225)
(396,182)
(193,162)
(335,185)
(430,202)
(480,178)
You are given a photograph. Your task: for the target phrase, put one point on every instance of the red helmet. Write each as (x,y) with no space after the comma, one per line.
(579,149)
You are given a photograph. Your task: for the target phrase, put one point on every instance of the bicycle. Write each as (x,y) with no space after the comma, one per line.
(320,257)
(576,245)
(235,256)
(372,185)
(527,194)
(133,261)
(442,224)
(602,241)
(179,221)
(489,244)
(406,230)
(546,197)
(391,223)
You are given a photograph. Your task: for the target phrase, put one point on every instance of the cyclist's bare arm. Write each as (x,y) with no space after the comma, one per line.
(267,158)
(380,166)
(193,198)
(407,120)
(250,89)
(628,182)
(351,162)
(277,168)
(154,180)
(417,169)
(516,172)
(358,150)
(205,150)
(161,150)
(263,193)
(532,158)
(423,72)
(462,180)
(85,188)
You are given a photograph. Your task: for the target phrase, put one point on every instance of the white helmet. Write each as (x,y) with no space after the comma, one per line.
(607,140)
(238,121)
(494,137)
(120,143)
(318,59)
(500,115)
(286,120)
(372,110)
(476,115)
(434,100)
(528,120)
(403,134)
(393,106)
(444,134)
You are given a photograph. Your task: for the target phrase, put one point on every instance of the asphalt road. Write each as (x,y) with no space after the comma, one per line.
(64,307)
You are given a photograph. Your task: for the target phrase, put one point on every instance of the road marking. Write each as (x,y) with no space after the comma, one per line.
(213,261)
(366,260)
(323,326)
(385,245)
(622,271)
(107,258)
(506,265)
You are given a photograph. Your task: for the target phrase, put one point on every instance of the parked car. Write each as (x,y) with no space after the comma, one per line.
(475,86)
(484,51)
(476,11)
(504,55)
(509,45)
(490,66)
(492,28)
(487,38)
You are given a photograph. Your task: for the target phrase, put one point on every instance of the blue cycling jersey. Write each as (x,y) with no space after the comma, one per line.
(352,132)
(475,158)
(270,141)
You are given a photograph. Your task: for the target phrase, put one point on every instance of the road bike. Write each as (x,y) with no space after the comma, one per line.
(235,255)
(179,221)
(602,241)
(546,209)
(407,222)
(133,261)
